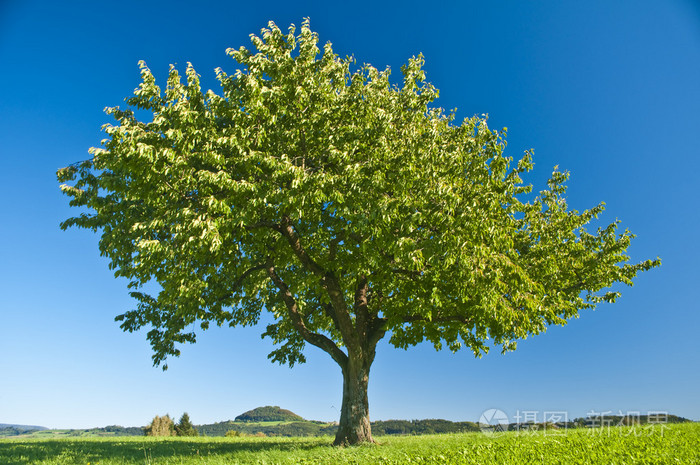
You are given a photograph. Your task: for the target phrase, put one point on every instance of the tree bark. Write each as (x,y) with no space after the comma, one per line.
(360,337)
(354,426)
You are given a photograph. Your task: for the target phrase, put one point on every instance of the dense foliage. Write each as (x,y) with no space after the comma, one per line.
(184,427)
(161,426)
(345,205)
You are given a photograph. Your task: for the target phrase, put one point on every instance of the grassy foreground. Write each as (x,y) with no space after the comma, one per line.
(625,445)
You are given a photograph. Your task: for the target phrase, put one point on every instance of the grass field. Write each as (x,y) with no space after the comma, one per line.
(669,444)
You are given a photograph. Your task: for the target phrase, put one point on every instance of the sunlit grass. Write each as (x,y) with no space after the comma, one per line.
(665,444)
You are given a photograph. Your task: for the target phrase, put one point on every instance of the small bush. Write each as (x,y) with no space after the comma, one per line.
(161,426)
(185,426)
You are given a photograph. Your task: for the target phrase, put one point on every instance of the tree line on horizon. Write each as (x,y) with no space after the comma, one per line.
(164,426)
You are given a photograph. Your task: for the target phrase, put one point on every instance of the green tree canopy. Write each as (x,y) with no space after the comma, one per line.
(161,426)
(346,206)
(185,427)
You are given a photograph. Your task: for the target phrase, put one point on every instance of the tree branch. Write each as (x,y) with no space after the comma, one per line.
(288,231)
(333,247)
(362,316)
(442,319)
(376,331)
(238,282)
(328,281)
(318,340)
(263,224)
(409,273)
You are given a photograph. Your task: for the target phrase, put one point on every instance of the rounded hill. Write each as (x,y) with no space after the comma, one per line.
(269,413)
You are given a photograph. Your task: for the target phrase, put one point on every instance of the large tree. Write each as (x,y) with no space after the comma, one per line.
(344,205)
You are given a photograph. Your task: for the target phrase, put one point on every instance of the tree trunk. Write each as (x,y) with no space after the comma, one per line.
(354,427)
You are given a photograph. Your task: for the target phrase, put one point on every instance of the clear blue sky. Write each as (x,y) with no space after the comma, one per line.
(607,90)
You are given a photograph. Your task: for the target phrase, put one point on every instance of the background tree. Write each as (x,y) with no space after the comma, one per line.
(161,426)
(345,206)
(184,427)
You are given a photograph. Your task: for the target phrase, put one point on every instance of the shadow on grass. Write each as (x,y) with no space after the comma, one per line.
(136,451)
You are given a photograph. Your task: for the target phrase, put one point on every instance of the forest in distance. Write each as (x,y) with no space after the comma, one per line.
(276,422)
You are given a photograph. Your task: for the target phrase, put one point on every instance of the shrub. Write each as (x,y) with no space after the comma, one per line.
(185,427)
(161,426)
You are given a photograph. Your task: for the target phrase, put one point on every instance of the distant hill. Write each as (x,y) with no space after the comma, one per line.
(269,413)
(8,430)
(269,428)
(23,427)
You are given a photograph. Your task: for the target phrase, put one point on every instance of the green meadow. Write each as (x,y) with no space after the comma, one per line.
(661,444)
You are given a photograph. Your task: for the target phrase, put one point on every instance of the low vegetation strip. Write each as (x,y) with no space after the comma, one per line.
(306,428)
(669,444)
